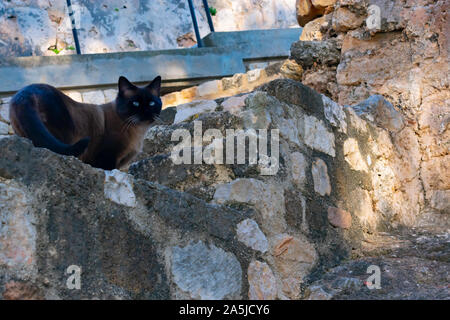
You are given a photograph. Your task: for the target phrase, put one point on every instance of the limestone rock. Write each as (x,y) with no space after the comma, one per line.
(307,10)
(339,218)
(209,88)
(290,69)
(17,229)
(21,291)
(262,282)
(344,20)
(267,199)
(320,176)
(299,166)
(185,111)
(4,128)
(335,114)
(94,97)
(306,53)
(119,188)
(312,30)
(383,113)
(293,258)
(353,155)
(440,200)
(234,104)
(317,136)
(248,232)
(4,112)
(206,272)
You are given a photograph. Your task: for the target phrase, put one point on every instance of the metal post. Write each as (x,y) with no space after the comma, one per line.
(208,15)
(74,29)
(194,22)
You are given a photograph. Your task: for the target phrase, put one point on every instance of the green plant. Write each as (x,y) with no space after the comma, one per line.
(56,50)
(213,11)
(70,48)
(116,9)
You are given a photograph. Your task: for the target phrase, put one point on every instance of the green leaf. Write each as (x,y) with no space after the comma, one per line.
(70,48)
(116,9)
(56,51)
(213,11)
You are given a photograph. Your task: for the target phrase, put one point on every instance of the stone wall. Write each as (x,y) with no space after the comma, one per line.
(37,27)
(204,231)
(398,49)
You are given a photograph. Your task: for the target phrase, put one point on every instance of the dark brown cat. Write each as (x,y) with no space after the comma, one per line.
(105,136)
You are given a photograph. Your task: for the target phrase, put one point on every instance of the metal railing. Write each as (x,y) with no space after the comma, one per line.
(191,9)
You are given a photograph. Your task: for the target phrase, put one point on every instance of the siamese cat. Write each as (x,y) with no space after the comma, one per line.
(107,136)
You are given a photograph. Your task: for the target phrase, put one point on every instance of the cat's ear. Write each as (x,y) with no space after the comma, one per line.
(155,86)
(125,85)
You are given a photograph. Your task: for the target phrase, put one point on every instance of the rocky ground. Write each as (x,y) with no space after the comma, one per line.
(414,264)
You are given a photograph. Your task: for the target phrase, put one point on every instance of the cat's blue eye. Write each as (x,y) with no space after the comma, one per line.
(136,104)
(152,103)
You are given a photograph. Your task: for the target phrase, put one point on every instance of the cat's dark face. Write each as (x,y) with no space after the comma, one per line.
(139,104)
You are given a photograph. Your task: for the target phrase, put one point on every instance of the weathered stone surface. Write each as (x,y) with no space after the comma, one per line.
(316,135)
(405,260)
(335,114)
(295,93)
(293,258)
(262,282)
(94,97)
(322,79)
(248,232)
(379,110)
(4,128)
(4,112)
(185,111)
(21,291)
(306,53)
(291,70)
(317,293)
(119,188)
(267,199)
(440,200)
(206,272)
(110,95)
(344,20)
(436,174)
(307,10)
(254,75)
(234,104)
(339,218)
(353,155)
(299,166)
(321,179)
(312,30)
(62,217)
(209,88)
(17,229)
(364,209)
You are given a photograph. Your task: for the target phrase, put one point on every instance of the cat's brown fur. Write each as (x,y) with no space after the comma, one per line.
(106,136)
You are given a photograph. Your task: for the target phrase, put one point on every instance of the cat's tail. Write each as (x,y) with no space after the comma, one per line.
(27,123)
